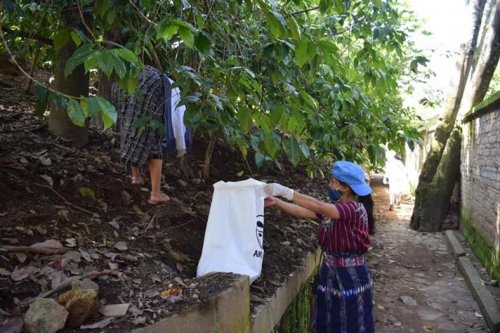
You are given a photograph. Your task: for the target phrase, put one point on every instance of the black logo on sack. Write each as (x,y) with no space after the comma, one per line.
(259,233)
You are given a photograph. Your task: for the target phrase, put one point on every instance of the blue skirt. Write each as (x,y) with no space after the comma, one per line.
(344,300)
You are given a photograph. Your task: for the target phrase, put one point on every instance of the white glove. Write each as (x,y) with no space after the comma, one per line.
(275,189)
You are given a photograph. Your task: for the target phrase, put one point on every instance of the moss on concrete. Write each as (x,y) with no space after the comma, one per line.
(298,316)
(482,248)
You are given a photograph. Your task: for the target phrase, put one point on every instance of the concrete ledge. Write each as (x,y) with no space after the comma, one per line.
(455,245)
(485,300)
(228,312)
(268,315)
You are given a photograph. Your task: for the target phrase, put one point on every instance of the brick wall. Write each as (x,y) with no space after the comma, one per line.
(480,169)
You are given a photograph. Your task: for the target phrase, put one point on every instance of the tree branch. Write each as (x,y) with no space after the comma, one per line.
(29,35)
(304,11)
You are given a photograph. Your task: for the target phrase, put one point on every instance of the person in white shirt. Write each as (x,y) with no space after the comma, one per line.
(397,178)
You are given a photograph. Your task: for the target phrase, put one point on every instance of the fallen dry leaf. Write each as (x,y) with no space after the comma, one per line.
(122,246)
(172,294)
(49,245)
(20,274)
(85,255)
(114,224)
(113,266)
(57,278)
(21,257)
(48,179)
(114,310)
(73,256)
(62,215)
(14,325)
(111,255)
(70,242)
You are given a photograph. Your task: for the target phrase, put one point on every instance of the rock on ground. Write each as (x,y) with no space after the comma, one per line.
(45,315)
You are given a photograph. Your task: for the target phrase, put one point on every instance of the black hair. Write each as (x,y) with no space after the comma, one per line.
(368,203)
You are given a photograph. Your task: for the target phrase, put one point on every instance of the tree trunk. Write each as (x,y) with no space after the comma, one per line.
(485,62)
(208,156)
(450,111)
(437,194)
(76,84)
(434,200)
(438,143)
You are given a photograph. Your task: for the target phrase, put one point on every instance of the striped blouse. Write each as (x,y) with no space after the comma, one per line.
(349,234)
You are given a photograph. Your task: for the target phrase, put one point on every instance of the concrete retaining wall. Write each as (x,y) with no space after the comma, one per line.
(229,312)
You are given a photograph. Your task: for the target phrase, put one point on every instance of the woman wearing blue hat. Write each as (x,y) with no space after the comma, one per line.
(344,302)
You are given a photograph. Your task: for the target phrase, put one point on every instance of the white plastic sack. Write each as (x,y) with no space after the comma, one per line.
(235,230)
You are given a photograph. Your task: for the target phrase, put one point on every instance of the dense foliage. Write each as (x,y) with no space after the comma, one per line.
(306,79)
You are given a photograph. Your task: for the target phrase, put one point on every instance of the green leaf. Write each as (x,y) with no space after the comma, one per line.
(61,38)
(377,3)
(301,52)
(187,36)
(119,66)
(324,5)
(259,159)
(75,113)
(327,46)
(111,15)
(107,63)
(93,107)
(276,23)
(310,101)
(339,6)
(76,38)
(87,192)
(294,28)
(195,98)
(58,101)
(200,23)
(270,144)
(245,118)
(277,114)
(102,7)
(108,112)
(127,55)
(166,31)
(293,151)
(79,56)
(92,61)
(305,150)
(202,43)
(42,95)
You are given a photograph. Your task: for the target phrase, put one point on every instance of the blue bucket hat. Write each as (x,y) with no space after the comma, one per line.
(352,175)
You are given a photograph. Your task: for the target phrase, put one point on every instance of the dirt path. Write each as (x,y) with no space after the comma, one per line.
(418,286)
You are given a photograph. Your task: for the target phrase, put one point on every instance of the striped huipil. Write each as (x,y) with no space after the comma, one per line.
(344,297)
(141,143)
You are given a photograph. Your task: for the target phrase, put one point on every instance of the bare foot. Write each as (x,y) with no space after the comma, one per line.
(158,198)
(137,180)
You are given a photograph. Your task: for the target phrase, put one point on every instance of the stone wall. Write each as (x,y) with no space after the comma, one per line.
(480,172)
